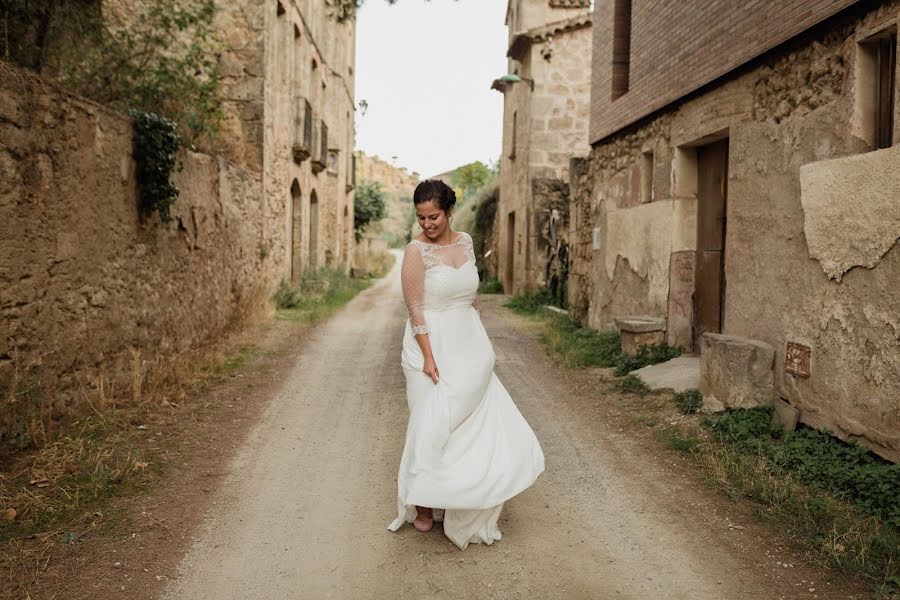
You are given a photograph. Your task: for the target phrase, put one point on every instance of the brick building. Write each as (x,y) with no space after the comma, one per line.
(744,182)
(545,118)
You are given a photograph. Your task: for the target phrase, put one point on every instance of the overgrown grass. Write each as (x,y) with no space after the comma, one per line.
(529,303)
(848,471)
(836,501)
(580,346)
(319,294)
(490,286)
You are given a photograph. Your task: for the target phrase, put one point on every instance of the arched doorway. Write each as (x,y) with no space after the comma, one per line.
(313,230)
(295,233)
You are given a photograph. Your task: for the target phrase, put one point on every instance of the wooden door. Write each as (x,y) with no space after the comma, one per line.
(510,251)
(712,210)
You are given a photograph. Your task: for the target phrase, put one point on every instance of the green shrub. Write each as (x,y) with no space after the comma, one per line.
(846,470)
(747,428)
(817,459)
(490,286)
(688,401)
(529,302)
(646,355)
(319,294)
(581,346)
(632,384)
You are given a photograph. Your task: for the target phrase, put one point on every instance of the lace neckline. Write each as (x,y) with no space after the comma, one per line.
(459,238)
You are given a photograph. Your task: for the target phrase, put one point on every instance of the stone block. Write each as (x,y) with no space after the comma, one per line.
(785,416)
(640,331)
(735,372)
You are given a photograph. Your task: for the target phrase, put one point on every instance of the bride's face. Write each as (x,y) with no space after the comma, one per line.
(432,219)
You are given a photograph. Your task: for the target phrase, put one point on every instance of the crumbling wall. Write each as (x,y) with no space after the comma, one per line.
(83,280)
(811,251)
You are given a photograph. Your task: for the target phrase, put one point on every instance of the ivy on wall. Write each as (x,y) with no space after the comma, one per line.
(156,143)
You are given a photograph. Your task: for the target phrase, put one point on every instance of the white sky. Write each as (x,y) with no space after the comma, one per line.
(426,68)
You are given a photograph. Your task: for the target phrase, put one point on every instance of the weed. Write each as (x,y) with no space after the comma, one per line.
(319,294)
(688,401)
(490,286)
(529,303)
(580,346)
(632,384)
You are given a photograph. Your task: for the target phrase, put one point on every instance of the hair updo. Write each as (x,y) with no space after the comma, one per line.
(435,189)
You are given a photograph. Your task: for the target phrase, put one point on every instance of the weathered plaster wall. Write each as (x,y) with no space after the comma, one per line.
(844,196)
(82,280)
(811,248)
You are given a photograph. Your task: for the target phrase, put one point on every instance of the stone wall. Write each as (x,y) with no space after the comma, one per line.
(276,57)
(83,280)
(811,254)
(309,58)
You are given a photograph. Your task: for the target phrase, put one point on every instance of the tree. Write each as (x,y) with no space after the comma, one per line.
(164,60)
(471,177)
(369,207)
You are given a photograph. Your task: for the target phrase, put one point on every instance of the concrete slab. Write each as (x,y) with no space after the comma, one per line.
(678,374)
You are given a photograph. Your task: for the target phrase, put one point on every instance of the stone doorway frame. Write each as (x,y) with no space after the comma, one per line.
(681,309)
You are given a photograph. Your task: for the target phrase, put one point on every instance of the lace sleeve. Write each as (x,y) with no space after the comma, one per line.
(412,279)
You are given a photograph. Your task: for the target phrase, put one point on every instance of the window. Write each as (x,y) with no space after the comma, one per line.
(646,177)
(875,90)
(512,140)
(296,32)
(279,10)
(323,150)
(884,110)
(621,59)
(308,126)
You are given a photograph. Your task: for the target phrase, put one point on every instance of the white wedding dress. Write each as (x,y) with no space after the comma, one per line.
(468,449)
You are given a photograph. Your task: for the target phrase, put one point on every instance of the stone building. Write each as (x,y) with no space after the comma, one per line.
(744,182)
(89,292)
(289,87)
(545,119)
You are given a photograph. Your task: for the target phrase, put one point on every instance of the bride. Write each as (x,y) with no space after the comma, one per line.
(468,449)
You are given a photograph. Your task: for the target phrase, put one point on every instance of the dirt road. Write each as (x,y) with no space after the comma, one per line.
(304,510)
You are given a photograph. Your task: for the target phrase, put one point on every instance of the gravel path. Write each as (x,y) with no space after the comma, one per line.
(304,510)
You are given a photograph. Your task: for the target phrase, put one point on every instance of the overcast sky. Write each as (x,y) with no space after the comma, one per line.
(425,69)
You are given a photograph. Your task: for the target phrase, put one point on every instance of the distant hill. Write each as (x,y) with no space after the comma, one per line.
(398,185)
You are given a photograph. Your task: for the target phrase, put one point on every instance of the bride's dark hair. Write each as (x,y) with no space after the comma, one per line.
(437,190)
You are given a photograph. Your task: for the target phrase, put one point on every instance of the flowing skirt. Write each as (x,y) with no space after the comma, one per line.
(468,448)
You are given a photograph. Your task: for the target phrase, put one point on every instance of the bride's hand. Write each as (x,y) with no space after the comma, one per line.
(431,369)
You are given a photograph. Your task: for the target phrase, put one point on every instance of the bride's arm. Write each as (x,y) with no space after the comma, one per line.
(412,279)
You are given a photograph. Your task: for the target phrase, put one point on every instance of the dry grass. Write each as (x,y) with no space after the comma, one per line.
(56,490)
(826,528)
